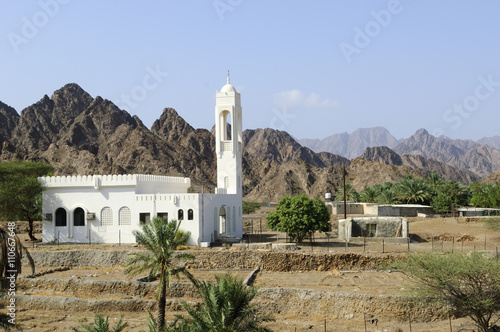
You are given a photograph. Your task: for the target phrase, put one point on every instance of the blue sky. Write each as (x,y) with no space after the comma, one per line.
(312,68)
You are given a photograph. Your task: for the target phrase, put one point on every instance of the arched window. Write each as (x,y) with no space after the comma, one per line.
(124,217)
(226,121)
(180,214)
(61,217)
(226,182)
(79,217)
(190,214)
(234,219)
(106,217)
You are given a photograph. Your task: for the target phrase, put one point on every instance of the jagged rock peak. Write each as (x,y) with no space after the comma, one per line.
(8,110)
(382,154)
(171,125)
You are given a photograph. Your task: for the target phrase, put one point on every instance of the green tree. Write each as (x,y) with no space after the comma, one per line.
(101,324)
(299,216)
(435,182)
(412,190)
(351,194)
(20,191)
(469,284)
(226,306)
(441,203)
(485,195)
(160,239)
(250,207)
(369,195)
(386,196)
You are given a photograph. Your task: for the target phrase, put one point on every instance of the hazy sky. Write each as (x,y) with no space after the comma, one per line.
(312,68)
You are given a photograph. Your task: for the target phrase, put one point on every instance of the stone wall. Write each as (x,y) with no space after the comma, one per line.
(219,259)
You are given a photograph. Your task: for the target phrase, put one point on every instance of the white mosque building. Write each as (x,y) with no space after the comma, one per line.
(108,208)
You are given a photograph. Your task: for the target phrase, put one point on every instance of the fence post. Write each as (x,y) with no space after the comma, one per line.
(364,243)
(485,243)
(346,245)
(383,246)
(90,241)
(58,235)
(119,237)
(408,239)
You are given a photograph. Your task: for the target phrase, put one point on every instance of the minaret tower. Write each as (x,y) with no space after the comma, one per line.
(228,139)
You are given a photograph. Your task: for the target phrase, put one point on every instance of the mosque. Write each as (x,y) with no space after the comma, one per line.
(108,208)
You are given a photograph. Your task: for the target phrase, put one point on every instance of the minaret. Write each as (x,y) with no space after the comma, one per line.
(228,139)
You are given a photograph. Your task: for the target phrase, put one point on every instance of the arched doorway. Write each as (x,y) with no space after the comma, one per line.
(222,220)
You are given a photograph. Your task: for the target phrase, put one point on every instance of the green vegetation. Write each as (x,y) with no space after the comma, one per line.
(410,190)
(250,207)
(469,284)
(101,324)
(226,306)
(485,195)
(351,194)
(160,239)
(21,192)
(299,216)
(432,190)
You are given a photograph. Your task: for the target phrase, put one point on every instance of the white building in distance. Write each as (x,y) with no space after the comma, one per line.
(108,208)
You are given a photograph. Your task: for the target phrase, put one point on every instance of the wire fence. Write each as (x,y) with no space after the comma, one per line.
(256,232)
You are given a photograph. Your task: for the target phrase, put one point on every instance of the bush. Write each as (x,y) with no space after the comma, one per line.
(250,207)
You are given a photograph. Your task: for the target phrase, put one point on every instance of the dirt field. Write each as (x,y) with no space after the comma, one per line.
(445,232)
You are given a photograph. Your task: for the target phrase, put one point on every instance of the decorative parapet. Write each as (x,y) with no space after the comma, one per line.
(97,181)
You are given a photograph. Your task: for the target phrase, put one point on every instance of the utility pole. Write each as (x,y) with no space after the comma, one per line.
(345,204)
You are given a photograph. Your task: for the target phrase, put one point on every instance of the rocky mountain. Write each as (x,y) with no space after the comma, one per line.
(79,134)
(271,144)
(493,141)
(364,173)
(462,154)
(493,178)
(382,154)
(352,145)
(419,163)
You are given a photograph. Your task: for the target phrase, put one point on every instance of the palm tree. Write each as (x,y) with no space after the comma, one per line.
(435,182)
(225,307)
(101,324)
(413,190)
(351,194)
(369,195)
(161,239)
(386,197)
(8,241)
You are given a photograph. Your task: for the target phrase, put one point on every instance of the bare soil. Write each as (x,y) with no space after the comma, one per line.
(431,234)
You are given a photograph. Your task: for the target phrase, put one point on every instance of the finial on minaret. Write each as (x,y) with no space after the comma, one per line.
(228,77)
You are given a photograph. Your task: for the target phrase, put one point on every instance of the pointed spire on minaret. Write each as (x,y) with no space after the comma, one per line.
(228,77)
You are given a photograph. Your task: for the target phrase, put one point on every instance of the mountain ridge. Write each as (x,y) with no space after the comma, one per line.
(80,134)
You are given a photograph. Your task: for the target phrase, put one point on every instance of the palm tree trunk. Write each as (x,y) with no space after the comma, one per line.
(30,229)
(162,301)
